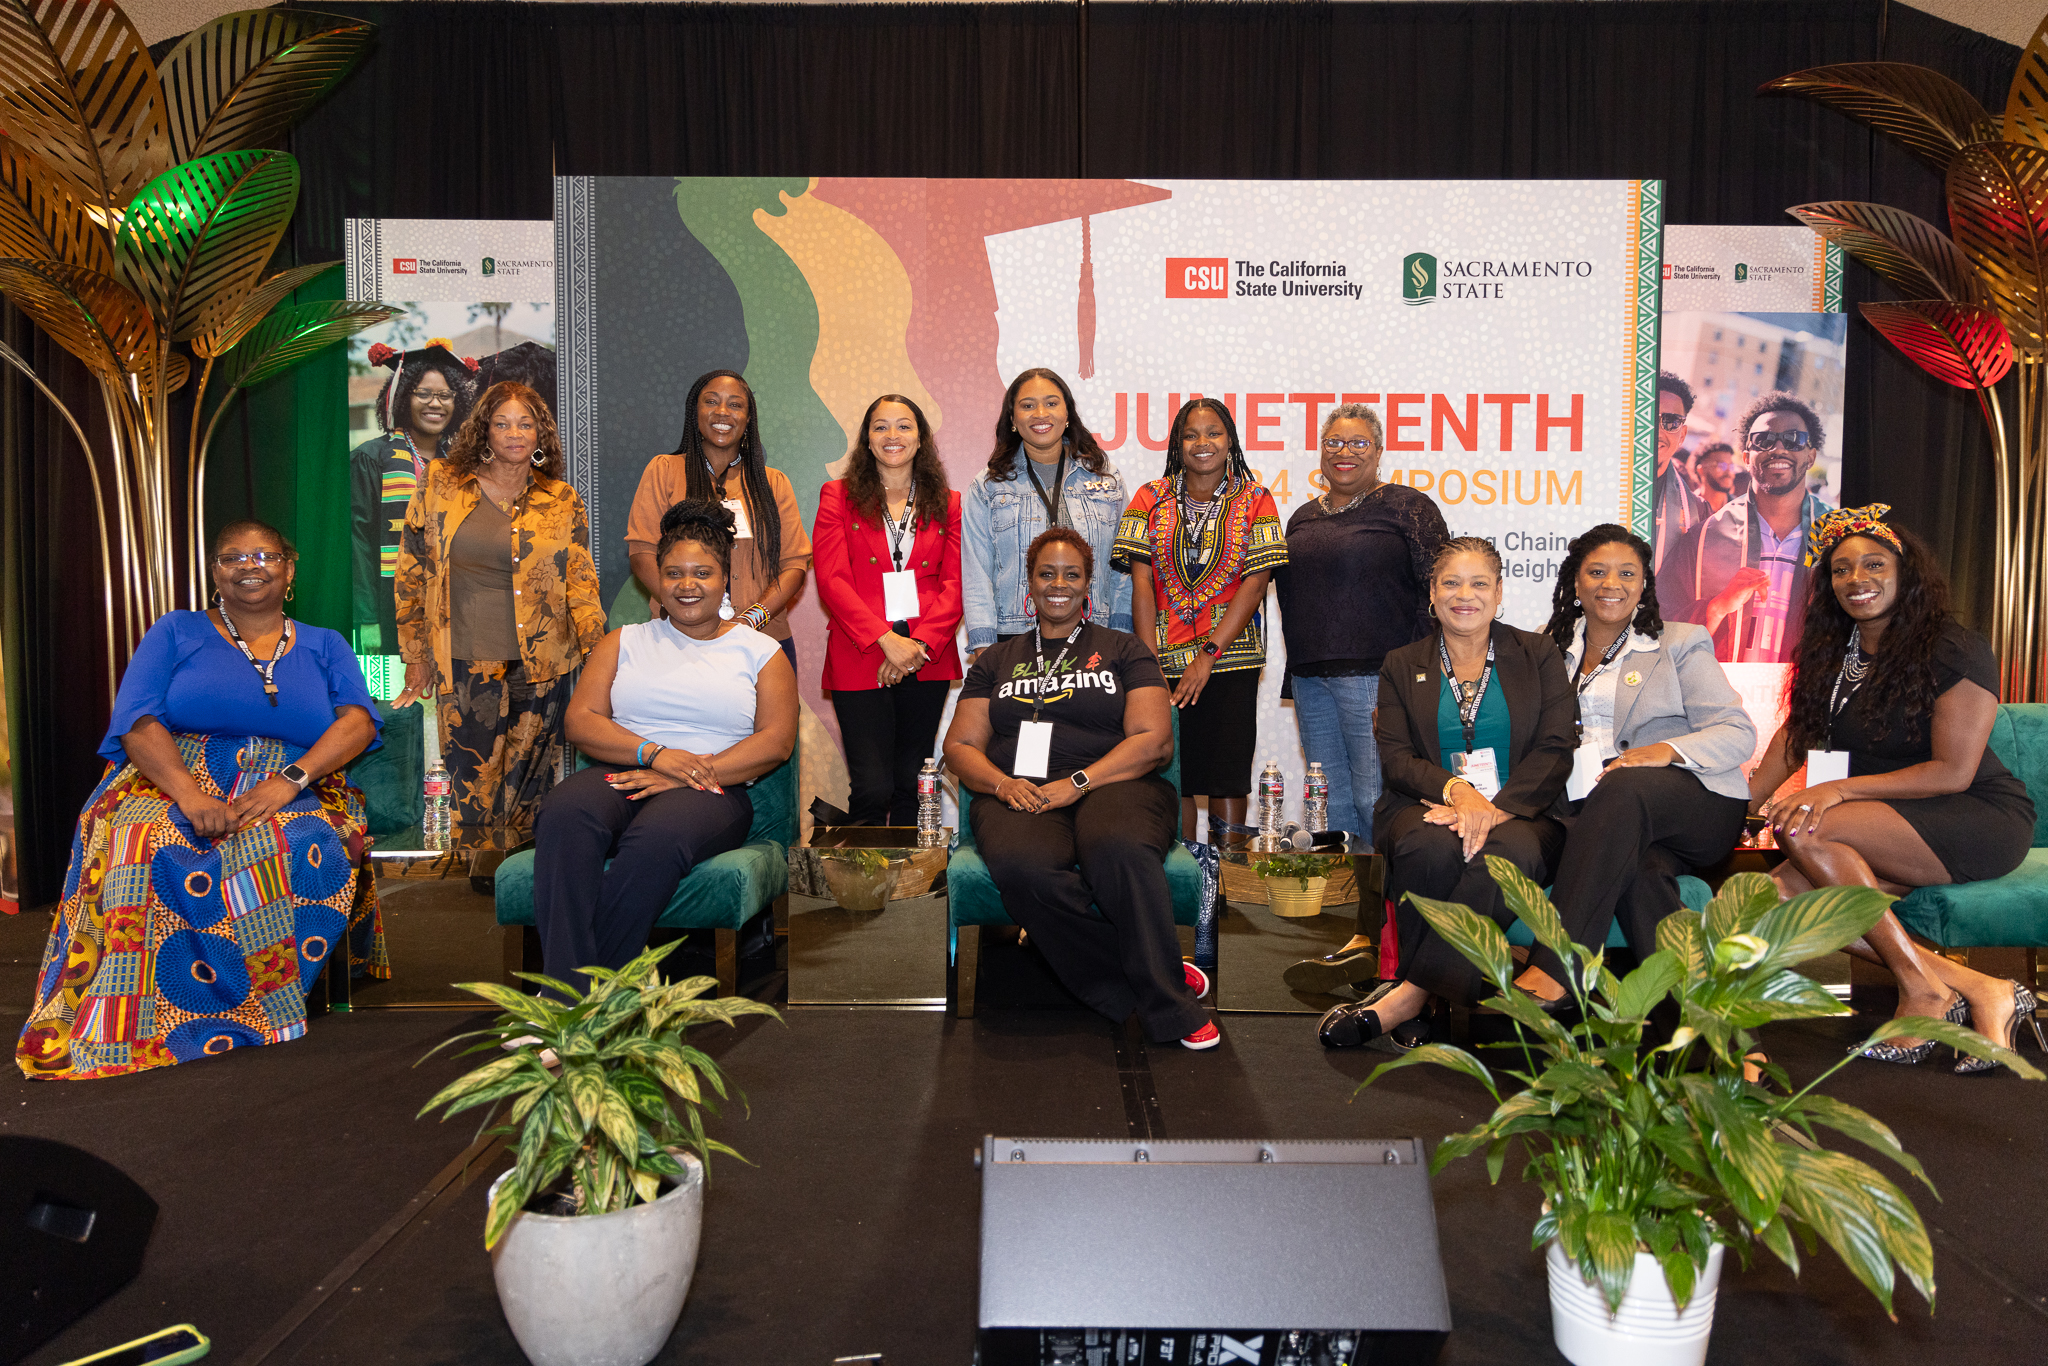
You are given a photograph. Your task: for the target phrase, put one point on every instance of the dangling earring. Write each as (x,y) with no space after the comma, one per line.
(538,458)
(1577,603)
(291,587)
(1087,606)
(1499,610)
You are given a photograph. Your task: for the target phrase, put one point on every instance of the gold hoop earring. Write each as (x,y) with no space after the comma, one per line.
(289,590)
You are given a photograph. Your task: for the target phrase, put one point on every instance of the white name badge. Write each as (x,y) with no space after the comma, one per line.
(1826,766)
(1586,766)
(1479,769)
(1034,750)
(899,595)
(738,508)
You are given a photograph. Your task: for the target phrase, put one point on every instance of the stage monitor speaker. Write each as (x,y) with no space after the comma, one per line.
(1249,1252)
(72,1231)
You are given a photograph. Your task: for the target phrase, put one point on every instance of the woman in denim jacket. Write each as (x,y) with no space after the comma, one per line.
(1065,479)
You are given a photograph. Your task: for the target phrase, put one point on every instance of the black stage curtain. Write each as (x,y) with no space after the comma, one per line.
(465,110)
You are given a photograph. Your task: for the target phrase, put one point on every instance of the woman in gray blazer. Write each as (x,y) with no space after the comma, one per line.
(1657,784)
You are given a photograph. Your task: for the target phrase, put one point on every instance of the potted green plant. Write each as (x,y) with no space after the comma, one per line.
(1653,1160)
(860,879)
(1294,882)
(601,1275)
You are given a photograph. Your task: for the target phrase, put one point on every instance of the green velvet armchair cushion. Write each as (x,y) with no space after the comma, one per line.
(723,892)
(391,777)
(2009,911)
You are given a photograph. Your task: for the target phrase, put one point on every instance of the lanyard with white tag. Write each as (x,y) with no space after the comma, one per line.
(1059,487)
(1832,765)
(898,530)
(1467,695)
(1034,737)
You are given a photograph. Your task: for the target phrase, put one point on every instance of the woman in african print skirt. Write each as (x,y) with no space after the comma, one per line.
(220,861)
(1199,545)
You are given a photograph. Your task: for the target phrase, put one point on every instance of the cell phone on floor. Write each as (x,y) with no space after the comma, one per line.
(168,1347)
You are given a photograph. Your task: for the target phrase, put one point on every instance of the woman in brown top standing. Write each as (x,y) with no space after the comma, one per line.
(497,603)
(772,552)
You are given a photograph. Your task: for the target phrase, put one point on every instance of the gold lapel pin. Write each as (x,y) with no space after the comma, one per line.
(1422,678)
(1632,678)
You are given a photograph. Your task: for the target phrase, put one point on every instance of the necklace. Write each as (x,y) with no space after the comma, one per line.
(268,671)
(1356,499)
(1855,668)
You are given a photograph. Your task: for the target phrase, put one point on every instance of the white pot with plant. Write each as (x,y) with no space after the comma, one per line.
(1294,882)
(1652,1160)
(597,1277)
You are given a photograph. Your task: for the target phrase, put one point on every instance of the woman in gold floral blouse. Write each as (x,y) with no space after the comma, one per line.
(497,604)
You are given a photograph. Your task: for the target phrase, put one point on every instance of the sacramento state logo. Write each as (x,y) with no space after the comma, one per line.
(490,265)
(1418,278)
(1741,273)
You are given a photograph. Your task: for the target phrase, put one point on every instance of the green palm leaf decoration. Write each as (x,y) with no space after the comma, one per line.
(82,91)
(1998,206)
(243,79)
(295,332)
(1911,254)
(93,316)
(1933,116)
(41,220)
(194,241)
(219,340)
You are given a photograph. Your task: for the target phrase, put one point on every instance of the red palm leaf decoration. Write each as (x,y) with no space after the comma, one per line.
(1998,208)
(1961,344)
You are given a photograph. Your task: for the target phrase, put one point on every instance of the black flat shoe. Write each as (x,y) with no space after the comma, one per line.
(1333,971)
(1348,1026)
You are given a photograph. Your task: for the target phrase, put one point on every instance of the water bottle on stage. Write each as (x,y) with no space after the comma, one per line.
(1272,805)
(929,834)
(436,822)
(1315,799)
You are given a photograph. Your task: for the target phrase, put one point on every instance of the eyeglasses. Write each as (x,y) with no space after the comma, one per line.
(1671,422)
(1358,445)
(234,561)
(439,398)
(1777,441)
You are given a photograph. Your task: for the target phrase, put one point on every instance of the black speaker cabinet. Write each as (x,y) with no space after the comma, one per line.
(72,1231)
(1228,1253)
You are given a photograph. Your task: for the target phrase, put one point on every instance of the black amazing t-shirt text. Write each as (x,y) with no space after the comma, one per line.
(1084,700)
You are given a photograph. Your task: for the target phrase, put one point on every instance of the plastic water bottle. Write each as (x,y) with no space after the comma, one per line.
(928,831)
(1315,799)
(1272,805)
(437,820)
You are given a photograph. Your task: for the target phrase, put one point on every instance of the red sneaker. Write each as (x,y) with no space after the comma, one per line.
(1198,981)
(1208,1036)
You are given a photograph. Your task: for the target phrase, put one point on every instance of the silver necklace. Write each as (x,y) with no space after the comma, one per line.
(1356,499)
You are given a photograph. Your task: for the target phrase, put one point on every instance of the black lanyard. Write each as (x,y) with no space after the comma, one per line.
(1038,634)
(1194,552)
(1059,486)
(1586,680)
(896,532)
(268,671)
(1467,697)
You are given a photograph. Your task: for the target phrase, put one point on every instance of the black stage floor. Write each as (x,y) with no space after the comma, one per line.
(856,1228)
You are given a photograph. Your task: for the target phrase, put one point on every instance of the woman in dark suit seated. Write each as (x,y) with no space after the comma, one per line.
(1062,730)
(1657,786)
(682,714)
(1476,727)
(220,861)
(1888,682)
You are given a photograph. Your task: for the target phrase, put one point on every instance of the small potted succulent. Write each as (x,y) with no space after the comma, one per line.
(593,1233)
(860,879)
(1295,882)
(1654,1159)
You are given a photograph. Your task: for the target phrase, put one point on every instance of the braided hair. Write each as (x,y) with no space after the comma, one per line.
(1238,465)
(752,459)
(1565,610)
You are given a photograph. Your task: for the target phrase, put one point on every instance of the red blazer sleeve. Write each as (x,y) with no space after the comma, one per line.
(944,608)
(832,550)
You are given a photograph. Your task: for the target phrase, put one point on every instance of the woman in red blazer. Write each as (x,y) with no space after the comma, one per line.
(887,561)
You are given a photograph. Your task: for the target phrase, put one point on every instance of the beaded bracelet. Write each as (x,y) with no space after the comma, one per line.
(755,616)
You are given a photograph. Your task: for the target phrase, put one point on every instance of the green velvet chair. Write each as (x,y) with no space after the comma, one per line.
(972,900)
(2009,912)
(390,777)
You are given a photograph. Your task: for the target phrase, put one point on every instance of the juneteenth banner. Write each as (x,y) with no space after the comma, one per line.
(1506,331)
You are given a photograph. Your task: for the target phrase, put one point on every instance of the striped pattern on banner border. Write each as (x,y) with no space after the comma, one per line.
(1639,451)
(361,276)
(575,280)
(1826,275)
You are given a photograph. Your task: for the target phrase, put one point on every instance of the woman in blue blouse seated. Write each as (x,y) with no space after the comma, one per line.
(682,714)
(221,858)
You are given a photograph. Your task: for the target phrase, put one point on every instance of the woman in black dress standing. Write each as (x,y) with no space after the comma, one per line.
(1885,677)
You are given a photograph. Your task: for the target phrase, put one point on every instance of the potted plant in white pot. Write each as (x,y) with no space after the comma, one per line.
(1653,1160)
(588,1094)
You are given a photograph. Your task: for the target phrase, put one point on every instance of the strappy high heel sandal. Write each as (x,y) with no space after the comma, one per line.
(2023,1004)
(1958,1012)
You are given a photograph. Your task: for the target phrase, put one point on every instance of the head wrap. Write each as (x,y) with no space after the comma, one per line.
(1832,529)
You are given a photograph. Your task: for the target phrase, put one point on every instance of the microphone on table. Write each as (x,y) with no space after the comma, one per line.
(1296,836)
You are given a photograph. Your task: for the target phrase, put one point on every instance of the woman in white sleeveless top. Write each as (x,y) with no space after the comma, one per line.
(681,715)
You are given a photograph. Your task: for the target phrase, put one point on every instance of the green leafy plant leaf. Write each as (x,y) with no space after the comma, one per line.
(1479,940)
(1817,922)
(1650,983)
(1741,902)
(1527,901)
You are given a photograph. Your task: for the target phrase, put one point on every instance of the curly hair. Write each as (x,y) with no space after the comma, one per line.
(927,472)
(473,442)
(1902,677)
(1778,401)
(1060,535)
(1670,383)
(396,396)
(762,514)
(1464,545)
(1237,465)
(1081,443)
(701,521)
(1565,610)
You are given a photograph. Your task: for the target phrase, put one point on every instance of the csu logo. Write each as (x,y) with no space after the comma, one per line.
(1197,277)
(405,265)
(1741,273)
(1418,278)
(490,265)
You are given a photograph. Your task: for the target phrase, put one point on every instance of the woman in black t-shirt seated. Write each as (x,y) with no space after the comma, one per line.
(1062,730)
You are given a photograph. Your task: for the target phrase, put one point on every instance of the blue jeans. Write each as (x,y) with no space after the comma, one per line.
(1335,719)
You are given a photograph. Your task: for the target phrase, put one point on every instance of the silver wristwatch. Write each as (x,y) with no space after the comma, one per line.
(1079,778)
(296,774)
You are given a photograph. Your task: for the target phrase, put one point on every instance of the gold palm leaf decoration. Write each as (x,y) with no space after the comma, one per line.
(293,333)
(244,79)
(82,92)
(41,220)
(195,240)
(122,256)
(1976,311)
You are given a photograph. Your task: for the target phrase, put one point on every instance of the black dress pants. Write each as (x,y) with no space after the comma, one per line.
(888,733)
(593,916)
(1107,926)
(1633,835)
(1429,860)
